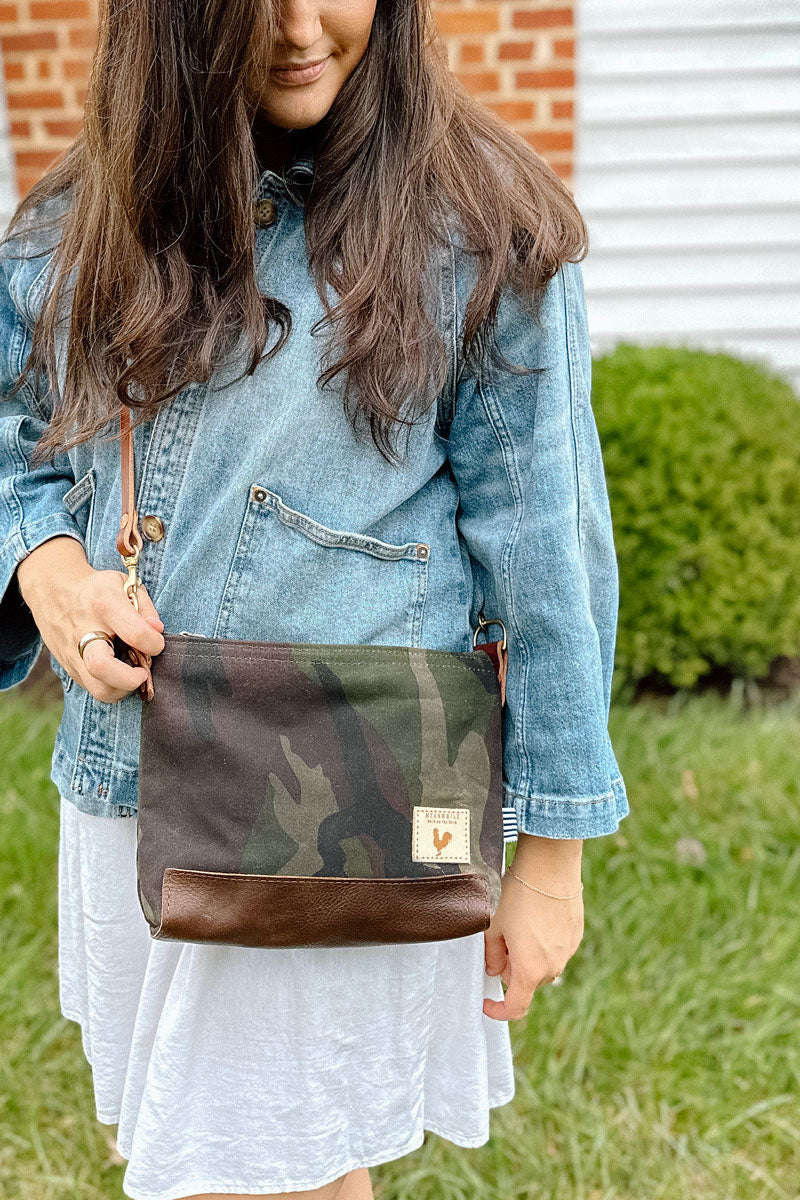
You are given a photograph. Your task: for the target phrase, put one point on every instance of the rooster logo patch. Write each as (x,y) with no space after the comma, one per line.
(441,840)
(440,835)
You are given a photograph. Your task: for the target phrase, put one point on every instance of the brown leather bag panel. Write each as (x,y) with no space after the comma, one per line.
(308,910)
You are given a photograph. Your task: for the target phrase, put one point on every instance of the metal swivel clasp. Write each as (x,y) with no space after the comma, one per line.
(133,582)
(483,624)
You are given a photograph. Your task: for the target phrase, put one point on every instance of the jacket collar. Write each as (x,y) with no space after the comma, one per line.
(294,182)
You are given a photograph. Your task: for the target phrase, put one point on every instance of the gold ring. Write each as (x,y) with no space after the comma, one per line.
(90,637)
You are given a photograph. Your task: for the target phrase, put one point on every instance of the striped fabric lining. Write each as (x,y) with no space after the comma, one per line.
(509,823)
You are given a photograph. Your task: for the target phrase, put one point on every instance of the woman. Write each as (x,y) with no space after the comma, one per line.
(328,146)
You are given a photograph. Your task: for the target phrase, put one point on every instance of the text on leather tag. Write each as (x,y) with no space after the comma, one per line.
(440,835)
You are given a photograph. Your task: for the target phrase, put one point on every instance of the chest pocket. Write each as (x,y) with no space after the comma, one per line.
(293,579)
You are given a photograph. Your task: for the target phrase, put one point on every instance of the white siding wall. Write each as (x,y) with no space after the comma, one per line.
(688,173)
(8,184)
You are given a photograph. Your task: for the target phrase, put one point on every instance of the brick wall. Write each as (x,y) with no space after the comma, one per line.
(516,55)
(47,48)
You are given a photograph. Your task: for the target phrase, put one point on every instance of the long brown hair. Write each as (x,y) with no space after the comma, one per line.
(159,232)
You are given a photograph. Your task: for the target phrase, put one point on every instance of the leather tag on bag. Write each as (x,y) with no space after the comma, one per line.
(440,835)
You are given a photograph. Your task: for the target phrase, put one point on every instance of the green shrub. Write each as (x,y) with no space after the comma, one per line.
(702,456)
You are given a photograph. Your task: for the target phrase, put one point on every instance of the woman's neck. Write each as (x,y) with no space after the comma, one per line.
(274,146)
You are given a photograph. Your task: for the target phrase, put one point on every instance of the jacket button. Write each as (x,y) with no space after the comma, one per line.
(152,527)
(423,550)
(259,494)
(265,212)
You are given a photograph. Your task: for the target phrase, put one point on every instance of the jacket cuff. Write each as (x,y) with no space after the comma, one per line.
(20,640)
(570,816)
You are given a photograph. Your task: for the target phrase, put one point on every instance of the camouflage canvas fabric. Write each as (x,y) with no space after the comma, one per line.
(310,760)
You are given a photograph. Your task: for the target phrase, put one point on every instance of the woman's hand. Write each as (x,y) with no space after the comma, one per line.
(68,598)
(531,937)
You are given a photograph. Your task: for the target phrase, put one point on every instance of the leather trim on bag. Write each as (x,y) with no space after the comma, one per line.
(310,910)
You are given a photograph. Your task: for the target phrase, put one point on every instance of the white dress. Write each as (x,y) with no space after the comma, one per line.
(230,1069)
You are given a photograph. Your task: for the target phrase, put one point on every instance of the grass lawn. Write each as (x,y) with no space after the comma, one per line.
(667,1063)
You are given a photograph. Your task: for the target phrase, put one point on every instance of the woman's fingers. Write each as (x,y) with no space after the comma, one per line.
(108,677)
(148,609)
(100,662)
(496,952)
(516,1001)
(114,607)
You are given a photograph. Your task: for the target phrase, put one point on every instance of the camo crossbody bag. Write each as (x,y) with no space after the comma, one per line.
(300,794)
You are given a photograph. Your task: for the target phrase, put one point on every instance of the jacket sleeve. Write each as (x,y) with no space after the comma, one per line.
(31,500)
(535,517)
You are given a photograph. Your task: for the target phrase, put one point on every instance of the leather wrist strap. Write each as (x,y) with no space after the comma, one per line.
(129,543)
(129,536)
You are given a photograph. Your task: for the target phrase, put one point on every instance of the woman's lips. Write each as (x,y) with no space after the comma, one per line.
(291,75)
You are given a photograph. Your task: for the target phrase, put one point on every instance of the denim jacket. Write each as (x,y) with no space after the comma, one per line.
(264,517)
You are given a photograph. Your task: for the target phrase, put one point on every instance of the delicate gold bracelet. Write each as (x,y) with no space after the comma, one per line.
(541,891)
